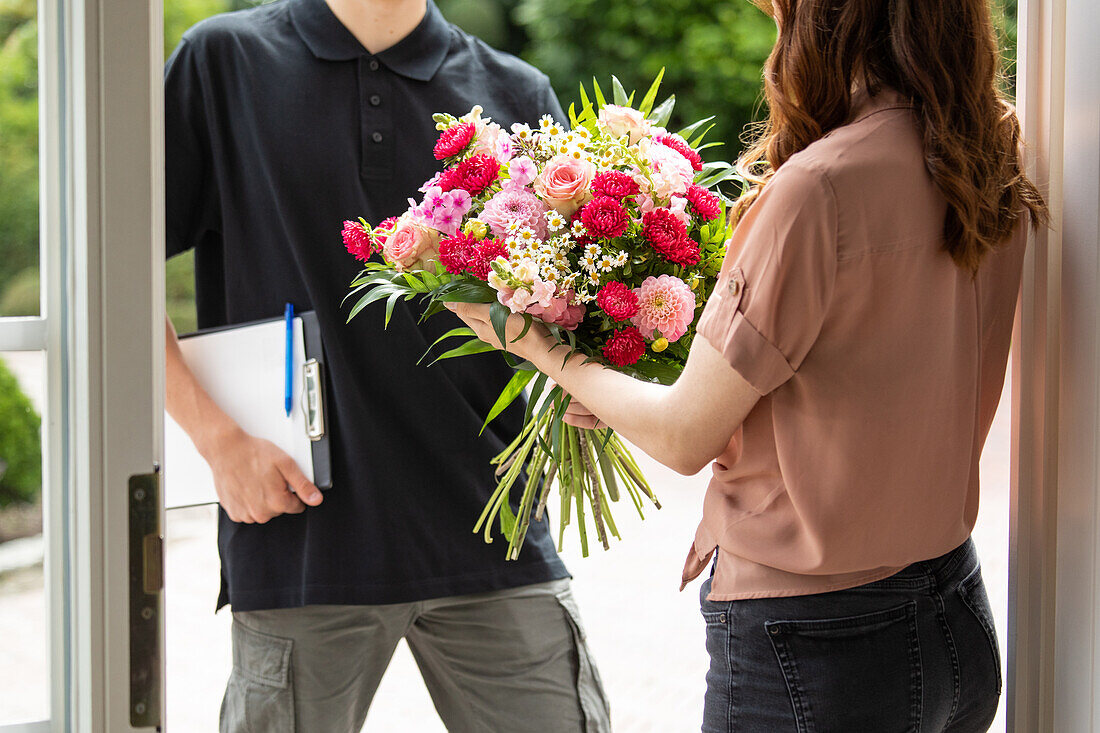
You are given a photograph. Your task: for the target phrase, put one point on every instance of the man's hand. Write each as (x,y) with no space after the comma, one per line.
(256,481)
(580,416)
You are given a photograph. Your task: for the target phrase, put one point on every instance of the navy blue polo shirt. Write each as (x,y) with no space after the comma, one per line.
(279,126)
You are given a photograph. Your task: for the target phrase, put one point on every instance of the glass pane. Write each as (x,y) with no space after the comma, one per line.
(18,159)
(24,668)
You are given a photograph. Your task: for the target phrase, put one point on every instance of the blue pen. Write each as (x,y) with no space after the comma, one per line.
(289,313)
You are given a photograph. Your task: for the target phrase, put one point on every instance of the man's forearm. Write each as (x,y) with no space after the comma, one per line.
(188,403)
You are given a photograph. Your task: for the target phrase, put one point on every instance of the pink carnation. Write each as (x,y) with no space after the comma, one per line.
(665,305)
(514,204)
(482,255)
(454,140)
(616,184)
(357,241)
(455,252)
(617,300)
(624,347)
(703,202)
(604,218)
(663,230)
(473,174)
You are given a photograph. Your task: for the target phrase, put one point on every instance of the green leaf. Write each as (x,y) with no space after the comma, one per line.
(498,316)
(690,129)
(699,138)
(663,373)
(508,395)
(597,93)
(414,282)
(620,95)
(460,331)
(527,320)
(466,292)
(471,347)
(660,116)
(431,280)
(389,307)
(584,96)
(536,392)
(651,96)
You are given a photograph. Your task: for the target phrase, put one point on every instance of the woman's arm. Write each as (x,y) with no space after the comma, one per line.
(683,426)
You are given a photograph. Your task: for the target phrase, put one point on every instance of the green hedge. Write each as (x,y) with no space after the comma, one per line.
(20,443)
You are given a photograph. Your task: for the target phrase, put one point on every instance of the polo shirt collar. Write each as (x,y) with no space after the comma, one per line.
(417,56)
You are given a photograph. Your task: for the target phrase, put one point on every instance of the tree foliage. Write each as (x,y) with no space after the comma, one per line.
(20,443)
(712,51)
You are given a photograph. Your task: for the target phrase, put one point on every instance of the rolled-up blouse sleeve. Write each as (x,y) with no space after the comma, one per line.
(771,299)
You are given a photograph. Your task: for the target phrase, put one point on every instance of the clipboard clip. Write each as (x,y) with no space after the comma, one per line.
(312,404)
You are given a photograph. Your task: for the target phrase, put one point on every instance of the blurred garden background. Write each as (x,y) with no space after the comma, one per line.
(712,51)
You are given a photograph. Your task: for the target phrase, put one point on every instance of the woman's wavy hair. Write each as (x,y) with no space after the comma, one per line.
(942,56)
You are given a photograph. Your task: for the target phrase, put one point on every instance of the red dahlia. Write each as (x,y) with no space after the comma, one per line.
(455,252)
(357,240)
(664,231)
(473,174)
(686,253)
(616,184)
(703,202)
(624,347)
(454,140)
(617,300)
(482,256)
(682,148)
(604,217)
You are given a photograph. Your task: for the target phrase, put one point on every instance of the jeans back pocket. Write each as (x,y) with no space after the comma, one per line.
(854,673)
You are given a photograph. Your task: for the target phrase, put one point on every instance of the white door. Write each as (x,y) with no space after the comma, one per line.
(99,338)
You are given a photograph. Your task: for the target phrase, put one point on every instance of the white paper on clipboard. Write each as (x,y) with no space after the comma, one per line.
(244,371)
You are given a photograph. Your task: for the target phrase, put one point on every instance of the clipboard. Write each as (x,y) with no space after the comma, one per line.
(243,368)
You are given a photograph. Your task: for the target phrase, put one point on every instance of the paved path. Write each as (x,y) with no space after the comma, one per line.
(647,637)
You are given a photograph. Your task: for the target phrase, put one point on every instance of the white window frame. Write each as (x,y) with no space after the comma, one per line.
(1054,619)
(102,328)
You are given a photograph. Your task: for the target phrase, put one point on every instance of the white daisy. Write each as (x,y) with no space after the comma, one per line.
(554,220)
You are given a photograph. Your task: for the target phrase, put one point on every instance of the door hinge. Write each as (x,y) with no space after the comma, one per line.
(146,585)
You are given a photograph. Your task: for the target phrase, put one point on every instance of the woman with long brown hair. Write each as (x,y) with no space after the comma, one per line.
(849,365)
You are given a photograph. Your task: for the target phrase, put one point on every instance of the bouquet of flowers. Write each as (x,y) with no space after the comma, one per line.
(610,233)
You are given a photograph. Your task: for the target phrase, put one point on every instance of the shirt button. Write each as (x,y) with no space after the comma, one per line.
(373,65)
(735,288)
(375,100)
(377,137)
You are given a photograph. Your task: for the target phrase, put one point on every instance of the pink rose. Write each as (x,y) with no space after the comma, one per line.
(564,183)
(411,246)
(618,121)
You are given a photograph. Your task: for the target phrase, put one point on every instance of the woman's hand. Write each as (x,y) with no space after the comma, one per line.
(534,345)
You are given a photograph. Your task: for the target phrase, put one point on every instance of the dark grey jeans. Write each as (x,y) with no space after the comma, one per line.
(509,660)
(913,653)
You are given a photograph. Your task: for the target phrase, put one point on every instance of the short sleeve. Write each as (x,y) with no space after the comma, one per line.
(771,299)
(191,206)
(547,104)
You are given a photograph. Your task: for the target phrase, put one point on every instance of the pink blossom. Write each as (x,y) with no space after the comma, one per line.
(522,170)
(678,206)
(669,172)
(665,304)
(514,204)
(493,141)
(559,311)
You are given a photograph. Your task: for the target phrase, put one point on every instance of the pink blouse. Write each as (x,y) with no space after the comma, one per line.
(880,364)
